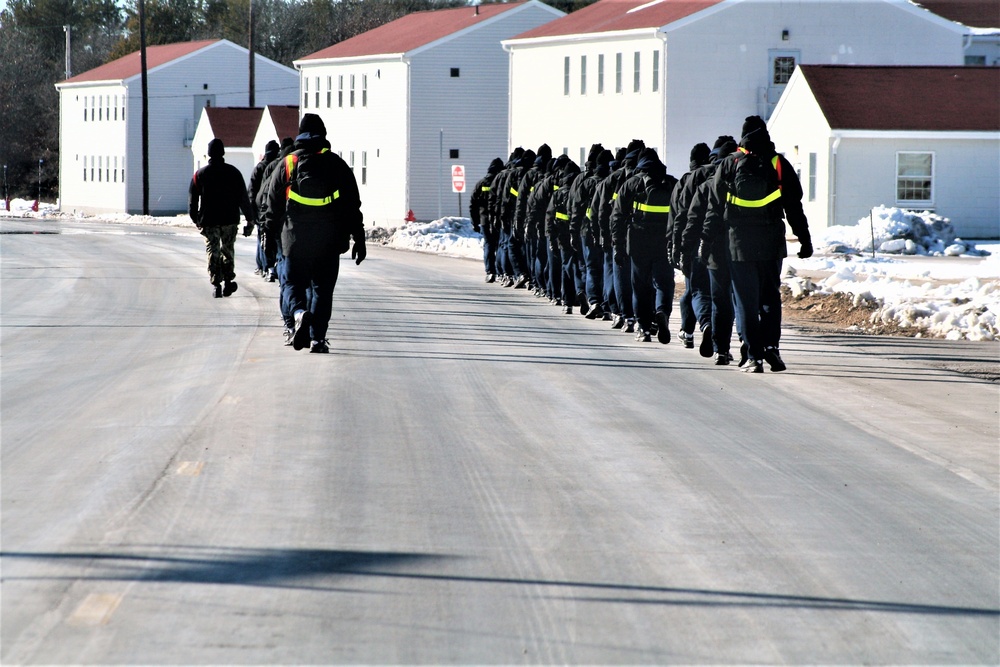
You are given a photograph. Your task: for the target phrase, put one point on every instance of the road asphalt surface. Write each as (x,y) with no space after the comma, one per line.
(469,477)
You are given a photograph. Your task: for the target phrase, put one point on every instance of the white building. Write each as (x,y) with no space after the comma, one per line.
(237,128)
(980,21)
(922,138)
(100,126)
(276,123)
(405,102)
(677,72)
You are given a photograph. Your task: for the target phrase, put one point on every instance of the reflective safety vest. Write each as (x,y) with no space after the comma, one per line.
(650,208)
(290,161)
(758,203)
(562,216)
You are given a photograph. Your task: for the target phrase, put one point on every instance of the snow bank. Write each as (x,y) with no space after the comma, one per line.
(897,231)
(452,236)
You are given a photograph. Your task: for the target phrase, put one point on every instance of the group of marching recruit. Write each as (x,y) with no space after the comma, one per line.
(305,203)
(606,238)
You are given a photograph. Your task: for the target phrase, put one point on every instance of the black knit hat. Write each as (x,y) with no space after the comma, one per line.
(312,126)
(605,157)
(753,124)
(544,150)
(700,155)
(216,148)
(620,154)
(722,140)
(634,146)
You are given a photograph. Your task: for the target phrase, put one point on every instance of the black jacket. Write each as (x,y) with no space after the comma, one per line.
(557,227)
(681,242)
(640,240)
(217,194)
(308,230)
(759,236)
(257,176)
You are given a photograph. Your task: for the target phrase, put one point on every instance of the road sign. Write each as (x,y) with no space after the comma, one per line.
(458,178)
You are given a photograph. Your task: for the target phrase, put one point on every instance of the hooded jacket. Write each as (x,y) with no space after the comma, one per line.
(217,194)
(479,200)
(557,226)
(639,238)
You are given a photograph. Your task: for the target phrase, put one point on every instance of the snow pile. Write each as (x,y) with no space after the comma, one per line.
(452,236)
(897,231)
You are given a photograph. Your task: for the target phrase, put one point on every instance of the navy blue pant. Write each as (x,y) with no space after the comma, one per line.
(555,272)
(541,266)
(593,262)
(757,295)
(310,284)
(723,312)
(610,296)
(261,257)
(652,288)
(623,288)
(571,278)
(490,240)
(696,301)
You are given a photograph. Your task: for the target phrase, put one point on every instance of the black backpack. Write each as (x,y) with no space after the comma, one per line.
(756,184)
(654,207)
(310,184)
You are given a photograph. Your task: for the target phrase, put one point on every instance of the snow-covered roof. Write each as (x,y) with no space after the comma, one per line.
(859,97)
(235,126)
(129,66)
(617,15)
(412,31)
(971,13)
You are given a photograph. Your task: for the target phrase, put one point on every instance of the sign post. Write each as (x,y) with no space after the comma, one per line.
(458,183)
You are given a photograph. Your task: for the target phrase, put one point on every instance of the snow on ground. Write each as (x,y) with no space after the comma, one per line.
(936,282)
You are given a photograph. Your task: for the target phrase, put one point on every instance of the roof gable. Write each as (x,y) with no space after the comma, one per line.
(285,119)
(616,15)
(129,66)
(854,97)
(971,13)
(412,31)
(235,126)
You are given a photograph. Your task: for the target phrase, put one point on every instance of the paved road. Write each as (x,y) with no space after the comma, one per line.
(470,477)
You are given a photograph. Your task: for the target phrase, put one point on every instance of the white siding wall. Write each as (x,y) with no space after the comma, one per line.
(541,112)
(92,150)
(470,108)
(970,197)
(374,130)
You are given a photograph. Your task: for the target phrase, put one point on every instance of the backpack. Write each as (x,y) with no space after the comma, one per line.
(756,184)
(308,184)
(654,208)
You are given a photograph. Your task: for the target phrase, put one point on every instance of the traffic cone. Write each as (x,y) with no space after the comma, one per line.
(34,207)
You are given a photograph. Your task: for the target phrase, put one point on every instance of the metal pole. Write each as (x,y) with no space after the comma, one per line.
(252,58)
(69,69)
(871,221)
(440,167)
(40,180)
(145,107)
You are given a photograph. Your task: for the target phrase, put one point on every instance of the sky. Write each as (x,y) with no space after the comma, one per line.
(948,286)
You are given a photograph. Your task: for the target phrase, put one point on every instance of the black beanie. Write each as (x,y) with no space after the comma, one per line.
(527,157)
(312,125)
(753,123)
(495,166)
(605,157)
(287,142)
(723,140)
(620,154)
(700,155)
(635,145)
(216,148)
(271,150)
(544,150)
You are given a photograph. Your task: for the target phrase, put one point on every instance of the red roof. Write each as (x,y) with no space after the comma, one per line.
(236,126)
(971,13)
(128,66)
(286,120)
(855,97)
(614,15)
(412,31)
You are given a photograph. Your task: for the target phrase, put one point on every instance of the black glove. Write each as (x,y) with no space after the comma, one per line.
(687,262)
(359,251)
(705,250)
(620,257)
(248,228)
(574,243)
(806,251)
(476,228)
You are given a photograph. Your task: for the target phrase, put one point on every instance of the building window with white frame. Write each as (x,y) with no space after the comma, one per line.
(364,90)
(583,75)
(305,92)
(600,74)
(317,92)
(340,91)
(84,108)
(566,75)
(351,161)
(812,177)
(914,178)
(784,66)
(618,73)
(636,75)
(329,92)
(364,167)
(656,70)
(352,91)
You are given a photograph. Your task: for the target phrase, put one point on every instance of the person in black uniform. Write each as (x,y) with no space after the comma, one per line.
(695,304)
(256,184)
(216,196)
(482,222)
(315,207)
(752,193)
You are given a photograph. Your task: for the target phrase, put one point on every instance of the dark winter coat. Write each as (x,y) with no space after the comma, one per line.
(679,206)
(538,204)
(217,194)
(479,200)
(760,235)
(640,239)
(557,227)
(315,231)
(257,175)
(581,194)
(533,177)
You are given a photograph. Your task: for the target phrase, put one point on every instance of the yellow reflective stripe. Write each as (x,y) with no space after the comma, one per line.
(561,216)
(313,201)
(513,192)
(485,188)
(588,213)
(554,188)
(649,208)
(753,203)
(532,189)
(614,196)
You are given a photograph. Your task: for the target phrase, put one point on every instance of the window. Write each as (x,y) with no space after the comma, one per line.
(618,73)
(107,109)
(329,92)
(364,167)
(100,108)
(452,153)
(116,107)
(93,105)
(351,161)
(583,75)
(566,75)
(656,71)
(364,90)
(92,161)
(635,76)
(914,178)
(600,74)
(123,168)
(352,91)
(455,72)
(782,70)
(812,177)
(317,92)
(583,156)
(305,92)
(84,112)
(975,61)
(107,169)
(116,169)
(340,90)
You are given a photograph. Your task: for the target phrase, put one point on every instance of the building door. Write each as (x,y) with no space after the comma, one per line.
(781,64)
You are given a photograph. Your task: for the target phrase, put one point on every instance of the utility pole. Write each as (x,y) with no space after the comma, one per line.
(69,69)
(145,107)
(252,78)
